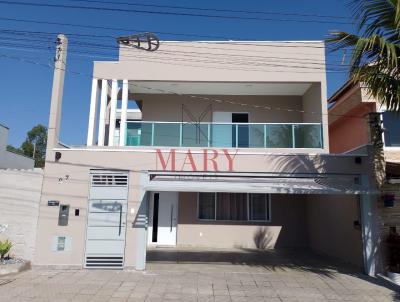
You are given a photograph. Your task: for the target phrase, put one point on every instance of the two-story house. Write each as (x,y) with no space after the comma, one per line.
(222,151)
(350,128)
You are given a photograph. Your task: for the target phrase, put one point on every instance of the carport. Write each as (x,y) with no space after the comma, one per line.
(336,209)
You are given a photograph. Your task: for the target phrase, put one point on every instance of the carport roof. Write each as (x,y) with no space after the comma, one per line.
(184,182)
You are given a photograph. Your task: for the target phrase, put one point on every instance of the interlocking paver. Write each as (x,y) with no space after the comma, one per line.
(208,282)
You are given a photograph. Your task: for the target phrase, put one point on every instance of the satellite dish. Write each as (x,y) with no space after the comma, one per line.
(144,41)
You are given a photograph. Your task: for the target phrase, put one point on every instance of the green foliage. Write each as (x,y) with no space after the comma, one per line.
(35,142)
(5,247)
(14,150)
(375,50)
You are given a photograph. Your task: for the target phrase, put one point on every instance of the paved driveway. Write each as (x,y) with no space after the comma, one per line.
(293,280)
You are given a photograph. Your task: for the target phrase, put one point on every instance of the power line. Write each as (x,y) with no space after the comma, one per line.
(218,64)
(188,95)
(168,13)
(213,9)
(212,58)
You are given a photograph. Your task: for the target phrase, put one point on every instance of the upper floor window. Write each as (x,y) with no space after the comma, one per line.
(391,123)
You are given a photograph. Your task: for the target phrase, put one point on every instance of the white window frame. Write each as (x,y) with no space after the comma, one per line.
(268,200)
(381,110)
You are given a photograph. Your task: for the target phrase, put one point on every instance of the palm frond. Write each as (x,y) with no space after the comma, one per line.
(375,50)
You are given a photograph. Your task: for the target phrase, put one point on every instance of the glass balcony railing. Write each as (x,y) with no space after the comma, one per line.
(223,135)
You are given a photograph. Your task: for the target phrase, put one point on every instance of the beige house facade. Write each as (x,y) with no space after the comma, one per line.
(214,155)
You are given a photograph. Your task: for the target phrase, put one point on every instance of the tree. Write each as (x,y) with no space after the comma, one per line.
(375,50)
(35,145)
(12,149)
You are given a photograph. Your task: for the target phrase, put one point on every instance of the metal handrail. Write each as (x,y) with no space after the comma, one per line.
(217,123)
(207,136)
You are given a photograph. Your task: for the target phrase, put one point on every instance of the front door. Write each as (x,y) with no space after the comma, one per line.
(162,218)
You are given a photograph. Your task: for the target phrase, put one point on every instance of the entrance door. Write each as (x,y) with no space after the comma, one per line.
(106,223)
(163,217)
(241,138)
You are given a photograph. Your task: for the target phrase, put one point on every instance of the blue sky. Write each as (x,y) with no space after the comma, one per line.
(26,87)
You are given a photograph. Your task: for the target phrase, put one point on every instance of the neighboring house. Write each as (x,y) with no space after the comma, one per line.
(11,160)
(221,156)
(350,128)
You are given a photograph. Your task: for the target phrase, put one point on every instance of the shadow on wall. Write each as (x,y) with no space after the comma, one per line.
(265,239)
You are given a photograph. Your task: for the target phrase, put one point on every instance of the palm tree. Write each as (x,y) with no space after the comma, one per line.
(375,50)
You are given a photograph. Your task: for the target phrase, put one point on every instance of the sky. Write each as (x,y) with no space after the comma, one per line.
(27,48)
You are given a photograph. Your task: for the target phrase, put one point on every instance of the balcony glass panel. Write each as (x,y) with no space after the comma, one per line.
(237,135)
(146,134)
(167,134)
(133,134)
(194,135)
(307,136)
(279,136)
(221,135)
(257,137)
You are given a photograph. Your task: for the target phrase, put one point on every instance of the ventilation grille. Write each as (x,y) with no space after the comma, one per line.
(104,262)
(109,180)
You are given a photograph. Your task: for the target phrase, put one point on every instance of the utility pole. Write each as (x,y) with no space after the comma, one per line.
(60,61)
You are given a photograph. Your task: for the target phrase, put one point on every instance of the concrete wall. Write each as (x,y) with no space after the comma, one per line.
(19,203)
(330,227)
(9,160)
(286,229)
(349,132)
(3,138)
(219,62)
(169,107)
(68,181)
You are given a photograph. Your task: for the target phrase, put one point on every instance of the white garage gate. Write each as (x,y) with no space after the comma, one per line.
(106,223)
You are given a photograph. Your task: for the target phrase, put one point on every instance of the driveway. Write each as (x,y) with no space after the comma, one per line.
(280,277)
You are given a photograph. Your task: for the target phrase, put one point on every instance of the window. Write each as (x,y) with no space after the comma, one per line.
(392,129)
(258,207)
(234,206)
(60,243)
(207,206)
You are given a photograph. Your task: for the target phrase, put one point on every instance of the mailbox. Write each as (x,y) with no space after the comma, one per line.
(63,215)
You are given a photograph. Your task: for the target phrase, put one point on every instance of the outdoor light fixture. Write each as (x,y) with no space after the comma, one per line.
(58,156)
(144,41)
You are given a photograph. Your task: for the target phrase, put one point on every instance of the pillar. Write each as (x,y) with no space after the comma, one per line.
(369,229)
(124,109)
(53,134)
(113,108)
(92,113)
(102,115)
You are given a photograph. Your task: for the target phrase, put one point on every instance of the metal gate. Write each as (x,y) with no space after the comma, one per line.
(106,224)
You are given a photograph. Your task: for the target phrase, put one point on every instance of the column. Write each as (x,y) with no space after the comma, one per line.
(368,228)
(102,115)
(124,108)
(53,133)
(92,113)
(113,108)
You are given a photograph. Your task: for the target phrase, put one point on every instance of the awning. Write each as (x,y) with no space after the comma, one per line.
(189,182)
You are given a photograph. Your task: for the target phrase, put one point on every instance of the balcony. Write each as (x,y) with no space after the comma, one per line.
(224,135)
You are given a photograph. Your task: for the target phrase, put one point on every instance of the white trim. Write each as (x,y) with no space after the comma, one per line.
(244,42)
(102,114)
(92,113)
(198,150)
(221,123)
(113,107)
(124,108)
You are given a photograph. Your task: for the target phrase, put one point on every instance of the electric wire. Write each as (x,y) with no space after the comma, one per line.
(169,13)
